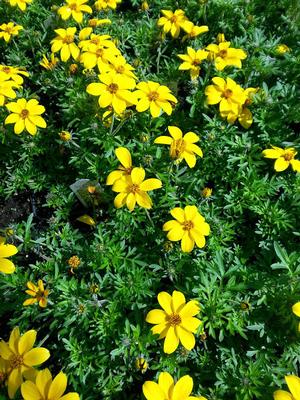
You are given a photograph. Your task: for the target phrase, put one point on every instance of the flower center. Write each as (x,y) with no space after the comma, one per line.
(24,114)
(9,30)
(99,52)
(113,88)
(6,70)
(68,39)
(288,156)
(120,69)
(152,96)
(227,93)
(196,62)
(95,40)
(174,319)
(134,189)
(177,148)
(73,6)
(93,23)
(127,170)
(223,53)
(187,225)
(16,361)
(173,19)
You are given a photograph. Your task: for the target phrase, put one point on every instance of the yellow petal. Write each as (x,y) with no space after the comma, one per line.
(282,395)
(175,132)
(30,391)
(190,212)
(156,317)
(166,383)
(293,383)
(58,386)
(281,164)
(152,391)
(178,214)
(171,341)
(165,301)
(14,339)
(70,396)
(124,157)
(163,140)
(114,176)
(36,356)
(29,302)
(137,175)
(5,351)
(176,233)
(120,200)
(198,238)
(178,301)
(191,137)
(172,224)
(190,324)
(190,309)
(7,250)
(14,382)
(183,388)
(150,184)
(190,159)
(271,153)
(86,219)
(27,341)
(143,200)
(295,165)
(296,309)
(130,201)
(7,266)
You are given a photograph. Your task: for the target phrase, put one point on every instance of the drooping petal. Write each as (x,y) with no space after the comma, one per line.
(183,388)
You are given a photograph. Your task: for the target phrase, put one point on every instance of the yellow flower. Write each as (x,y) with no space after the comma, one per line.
(224,55)
(284,158)
(104,4)
(176,322)
(93,22)
(296,311)
(193,30)
(144,6)
(192,61)
(124,170)
(119,67)
(172,22)
(22,4)
(293,383)
(4,367)
(97,51)
(221,38)
(133,189)
(26,115)
(74,263)
(282,49)
(46,388)
(141,364)
(154,96)
(228,93)
(49,64)
(165,389)
(21,357)
(14,73)
(113,91)
(86,219)
(189,226)
(65,136)
(9,30)
(206,192)
(181,147)
(7,250)
(64,43)
(38,293)
(7,88)
(74,8)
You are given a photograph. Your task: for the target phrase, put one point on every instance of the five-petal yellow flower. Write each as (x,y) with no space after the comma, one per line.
(172,22)
(189,226)
(176,322)
(192,61)
(74,9)
(181,147)
(64,42)
(284,158)
(9,30)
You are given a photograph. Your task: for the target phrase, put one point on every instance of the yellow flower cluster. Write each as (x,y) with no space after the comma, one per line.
(18,360)
(173,22)
(233,100)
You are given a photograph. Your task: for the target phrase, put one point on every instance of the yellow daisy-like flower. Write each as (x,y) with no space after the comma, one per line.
(282,49)
(296,311)
(38,293)
(284,158)
(14,73)
(166,389)
(49,64)
(181,147)
(192,61)
(7,250)
(7,88)
(228,94)
(26,115)
(21,356)
(46,388)
(189,226)
(9,30)
(293,383)
(176,322)
(124,156)
(64,42)
(193,30)
(133,189)
(172,22)
(74,9)
(93,22)
(98,51)
(206,192)
(104,4)
(22,4)
(153,96)
(114,91)
(224,55)
(118,65)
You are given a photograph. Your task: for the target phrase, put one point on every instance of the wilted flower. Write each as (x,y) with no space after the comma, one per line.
(206,192)
(141,364)
(49,64)
(38,294)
